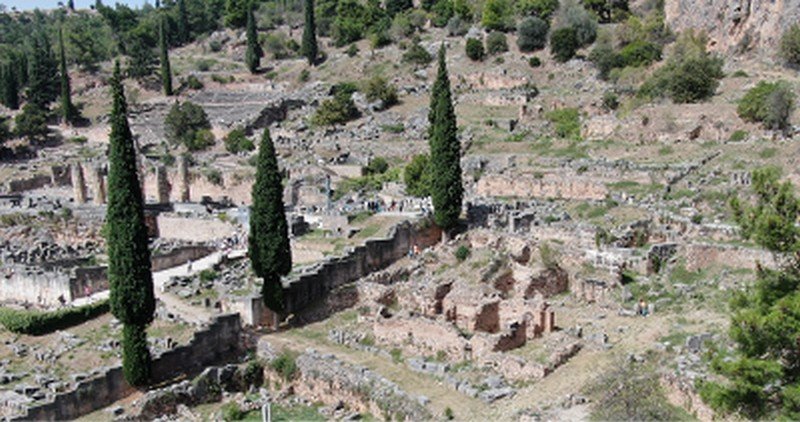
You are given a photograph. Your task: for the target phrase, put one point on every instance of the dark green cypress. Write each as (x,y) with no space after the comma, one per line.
(71,5)
(166,73)
(309,48)
(183,23)
(253,53)
(447,192)
(270,251)
(10,86)
(132,299)
(67,108)
(43,85)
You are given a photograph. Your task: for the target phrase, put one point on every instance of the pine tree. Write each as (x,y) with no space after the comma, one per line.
(253,53)
(166,73)
(68,112)
(43,85)
(309,48)
(10,86)
(71,5)
(183,23)
(447,191)
(132,299)
(270,252)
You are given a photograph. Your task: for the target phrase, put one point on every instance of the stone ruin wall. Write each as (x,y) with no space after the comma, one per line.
(548,186)
(217,343)
(193,229)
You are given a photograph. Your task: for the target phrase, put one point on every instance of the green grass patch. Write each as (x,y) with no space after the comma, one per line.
(39,323)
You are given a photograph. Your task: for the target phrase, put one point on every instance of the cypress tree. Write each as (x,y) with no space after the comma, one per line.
(132,299)
(253,53)
(166,73)
(10,86)
(183,23)
(67,108)
(309,48)
(43,85)
(447,191)
(270,252)
(71,5)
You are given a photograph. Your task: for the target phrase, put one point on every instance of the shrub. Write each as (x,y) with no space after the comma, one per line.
(448,414)
(462,253)
(304,75)
(496,43)
(38,323)
(542,9)
(534,61)
(563,44)
(192,82)
(605,59)
(285,365)
(352,51)
(232,412)
(769,103)
(32,123)
(208,275)
(339,109)
(790,46)
(377,165)
(417,55)
(610,100)
(497,15)
(188,124)
(474,49)
(549,256)
(214,177)
(457,27)
(416,176)
(532,34)
(738,136)
(236,141)
(397,355)
(377,88)
(566,121)
(254,374)
(572,15)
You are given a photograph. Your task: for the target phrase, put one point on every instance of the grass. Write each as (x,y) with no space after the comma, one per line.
(369,231)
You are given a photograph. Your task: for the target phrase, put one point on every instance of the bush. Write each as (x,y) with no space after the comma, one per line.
(352,51)
(285,365)
(566,121)
(610,100)
(534,61)
(193,83)
(770,103)
(208,275)
(253,374)
(232,412)
(32,123)
(38,323)
(605,59)
(462,253)
(377,88)
(790,46)
(417,55)
(416,176)
(377,165)
(542,9)
(340,109)
(572,15)
(640,53)
(497,15)
(532,34)
(496,43)
(457,26)
(304,75)
(474,49)
(563,44)
(237,142)
(188,124)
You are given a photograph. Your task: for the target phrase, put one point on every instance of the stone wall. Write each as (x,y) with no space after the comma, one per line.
(179,256)
(374,255)
(699,256)
(23,185)
(193,229)
(212,345)
(548,186)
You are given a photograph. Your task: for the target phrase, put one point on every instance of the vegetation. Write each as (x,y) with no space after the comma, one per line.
(188,124)
(309,48)
(563,44)
(269,250)
(416,176)
(571,14)
(760,377)
(166,73)
(474,49)
(38,323)
(237,141)
(496,43)
(417,55)
(446,189)
(462,253)
(68,111)
(566,122)
(253,53)
(285,365)
(790,46)
(132,299)
(497,15)
(532,34)
(770,103)
(378,88)
(337,110)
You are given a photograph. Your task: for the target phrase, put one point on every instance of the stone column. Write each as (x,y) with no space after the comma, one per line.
(551,321)
(99,185)
(183,180)
(78,184)
(162,184)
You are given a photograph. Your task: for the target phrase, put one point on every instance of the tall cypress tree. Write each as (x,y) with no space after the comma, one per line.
(447,191)
(253,53)
(132,299)
(10,86)
(183,23)
(71,5)
(270,251)
(309,48)
(43,85)
(68,112)
(166,73)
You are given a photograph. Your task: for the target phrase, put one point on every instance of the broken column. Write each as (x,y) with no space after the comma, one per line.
(162,185)
(183,180)
(99,194)
(78,184)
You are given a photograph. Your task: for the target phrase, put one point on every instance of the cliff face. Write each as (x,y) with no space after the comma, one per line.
(736,26)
